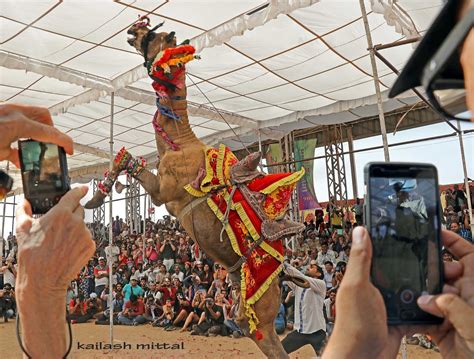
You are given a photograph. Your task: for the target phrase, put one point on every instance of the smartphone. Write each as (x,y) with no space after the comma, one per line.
(402,215)
(44,174)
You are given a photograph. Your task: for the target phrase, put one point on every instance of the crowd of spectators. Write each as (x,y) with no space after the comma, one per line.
(163,279)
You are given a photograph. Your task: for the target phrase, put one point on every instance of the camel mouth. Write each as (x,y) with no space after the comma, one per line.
(131,39)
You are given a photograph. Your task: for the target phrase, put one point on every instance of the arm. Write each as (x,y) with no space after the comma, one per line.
(317,285)
(61,230)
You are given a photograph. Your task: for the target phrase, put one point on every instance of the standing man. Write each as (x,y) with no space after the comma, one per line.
(101,274)
(310,325)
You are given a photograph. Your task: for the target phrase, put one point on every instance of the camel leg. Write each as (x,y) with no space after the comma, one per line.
(266,309)
(148,180)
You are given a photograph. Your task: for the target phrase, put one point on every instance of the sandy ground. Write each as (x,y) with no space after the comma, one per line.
(189,346)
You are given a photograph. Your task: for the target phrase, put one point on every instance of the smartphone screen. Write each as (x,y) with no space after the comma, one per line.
(404,225)
(44,173)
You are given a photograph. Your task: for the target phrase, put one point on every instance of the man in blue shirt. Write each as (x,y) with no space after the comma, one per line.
(132,287)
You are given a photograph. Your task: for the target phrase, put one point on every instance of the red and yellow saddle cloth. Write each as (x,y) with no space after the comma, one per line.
(243,226)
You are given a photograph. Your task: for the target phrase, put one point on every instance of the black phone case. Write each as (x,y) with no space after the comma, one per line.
(428,319)
(43,202)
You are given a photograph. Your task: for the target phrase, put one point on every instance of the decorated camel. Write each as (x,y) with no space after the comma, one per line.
(234,212)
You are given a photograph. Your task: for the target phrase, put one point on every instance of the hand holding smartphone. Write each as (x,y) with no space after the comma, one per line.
(44,174)
(402,216)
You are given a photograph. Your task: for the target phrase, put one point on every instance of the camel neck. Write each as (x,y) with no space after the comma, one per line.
(178,131)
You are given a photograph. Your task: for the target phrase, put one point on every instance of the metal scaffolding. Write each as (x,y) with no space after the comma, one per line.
(335,164)
(132,203)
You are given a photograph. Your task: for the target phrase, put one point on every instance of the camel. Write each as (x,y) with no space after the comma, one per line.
(182,159)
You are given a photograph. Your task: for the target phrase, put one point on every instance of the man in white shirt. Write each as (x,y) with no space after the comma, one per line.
(325,255)
(310,325)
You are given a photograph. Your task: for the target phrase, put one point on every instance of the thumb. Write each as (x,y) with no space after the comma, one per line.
(360,257)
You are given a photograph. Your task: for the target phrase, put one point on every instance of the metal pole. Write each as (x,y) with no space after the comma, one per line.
(352,162)
(383,129)
(3,226)
(111,218)
(466,182)
(260,150)
(13,216)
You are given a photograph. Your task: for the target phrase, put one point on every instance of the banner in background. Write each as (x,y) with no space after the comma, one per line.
(274,155)
(306,193)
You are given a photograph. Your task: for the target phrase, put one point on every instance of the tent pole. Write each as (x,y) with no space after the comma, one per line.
(111,218)
(260,149)
(3,225)
(14,211)
(466,182)
(383,129)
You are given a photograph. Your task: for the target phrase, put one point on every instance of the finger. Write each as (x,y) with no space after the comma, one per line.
(457,245)
(24,210)
(70,201)
(459,313)
(23,217)
(428,304)
(450,289)
(26,128)
(39,114)
(358,267)
(452,270)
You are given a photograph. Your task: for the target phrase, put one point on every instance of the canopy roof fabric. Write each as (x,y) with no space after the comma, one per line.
(267,67)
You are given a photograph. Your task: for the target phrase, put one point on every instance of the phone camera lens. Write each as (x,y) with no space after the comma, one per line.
(407,296)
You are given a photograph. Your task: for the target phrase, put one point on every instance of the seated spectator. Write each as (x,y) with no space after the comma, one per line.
(212,319)
(325,255)
(169,291)
(177,273)
(329,310)
(161,275)
(7,302)
(328,270)
(446,255)
(230,314)
(152,309)
(166,318)
(133,312)
(182,308)
(132,288)
(463,232)
(197,308)
(78,310)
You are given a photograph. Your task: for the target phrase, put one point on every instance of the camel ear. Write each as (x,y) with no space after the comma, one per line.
(170,36)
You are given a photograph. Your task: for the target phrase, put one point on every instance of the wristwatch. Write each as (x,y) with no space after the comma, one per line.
(6,184)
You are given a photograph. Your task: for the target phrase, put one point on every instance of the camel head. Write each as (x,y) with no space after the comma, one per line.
(146,41)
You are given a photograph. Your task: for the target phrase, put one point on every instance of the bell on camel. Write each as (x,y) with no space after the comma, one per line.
(119,187)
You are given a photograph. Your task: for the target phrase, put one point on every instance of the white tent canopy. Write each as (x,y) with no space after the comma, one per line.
(268,67)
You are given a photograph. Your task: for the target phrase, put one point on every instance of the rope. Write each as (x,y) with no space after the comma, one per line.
(220,114)
(225,219)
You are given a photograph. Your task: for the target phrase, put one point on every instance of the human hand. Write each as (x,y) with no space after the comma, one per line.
(356,334)
(53,248)
(19,121)
(378,338)
(455,337)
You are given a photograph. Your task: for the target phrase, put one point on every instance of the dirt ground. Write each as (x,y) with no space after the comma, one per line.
(189,346)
